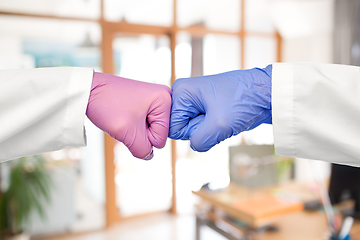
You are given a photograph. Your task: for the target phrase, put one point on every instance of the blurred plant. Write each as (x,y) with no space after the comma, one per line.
(29,185)
(283,166)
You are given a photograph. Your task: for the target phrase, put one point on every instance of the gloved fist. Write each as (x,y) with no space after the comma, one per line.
(133,112)
(210,109)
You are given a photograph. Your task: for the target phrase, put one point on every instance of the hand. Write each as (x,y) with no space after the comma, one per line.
(210,109)
(133,112)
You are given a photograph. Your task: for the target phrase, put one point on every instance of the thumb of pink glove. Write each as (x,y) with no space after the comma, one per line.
(133,112)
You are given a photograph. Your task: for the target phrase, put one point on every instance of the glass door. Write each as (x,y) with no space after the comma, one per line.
(142,186)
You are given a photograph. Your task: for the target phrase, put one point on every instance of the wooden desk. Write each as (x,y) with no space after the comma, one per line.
(296,225)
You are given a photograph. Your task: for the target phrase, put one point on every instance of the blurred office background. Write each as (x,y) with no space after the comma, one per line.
(102,186)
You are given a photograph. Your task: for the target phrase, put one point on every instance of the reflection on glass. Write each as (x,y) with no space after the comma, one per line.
(263,134)
(51,42)
(143,186)
(183,54)
(146,58)
(221,53)
(257,17)
(154,12)
(73,8)
(215,14)
(259,52)
(194,169)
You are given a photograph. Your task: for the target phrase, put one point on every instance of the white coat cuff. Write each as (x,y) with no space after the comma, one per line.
(79,89)
(283,109)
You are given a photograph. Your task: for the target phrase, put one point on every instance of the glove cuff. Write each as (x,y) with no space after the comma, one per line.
(268,72)
(262,86)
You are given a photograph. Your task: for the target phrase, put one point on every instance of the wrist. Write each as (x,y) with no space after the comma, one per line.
(262,86)
(97,86)
(98,80)
(268,79)
(268,73)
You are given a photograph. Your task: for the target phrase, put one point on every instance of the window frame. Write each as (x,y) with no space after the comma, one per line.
(109,31)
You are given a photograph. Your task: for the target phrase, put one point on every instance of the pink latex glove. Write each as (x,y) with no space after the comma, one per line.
(133,112)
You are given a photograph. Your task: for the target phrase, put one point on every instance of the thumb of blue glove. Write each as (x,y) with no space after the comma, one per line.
(210,109)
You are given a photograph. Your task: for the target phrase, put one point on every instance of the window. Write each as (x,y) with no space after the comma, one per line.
(154,41)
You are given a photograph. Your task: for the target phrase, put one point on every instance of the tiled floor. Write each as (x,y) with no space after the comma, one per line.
(156,227)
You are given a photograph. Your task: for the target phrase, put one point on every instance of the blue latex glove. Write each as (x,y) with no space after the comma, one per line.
(210,109)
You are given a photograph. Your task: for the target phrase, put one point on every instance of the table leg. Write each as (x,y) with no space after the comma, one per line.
(201,221)
(198,226)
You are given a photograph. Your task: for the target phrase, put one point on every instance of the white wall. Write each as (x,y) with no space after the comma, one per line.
(315,48)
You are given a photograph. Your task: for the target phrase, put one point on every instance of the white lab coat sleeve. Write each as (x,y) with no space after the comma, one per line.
(316,111)
(42,110)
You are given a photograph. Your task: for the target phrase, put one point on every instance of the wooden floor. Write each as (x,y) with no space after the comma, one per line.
(162,226)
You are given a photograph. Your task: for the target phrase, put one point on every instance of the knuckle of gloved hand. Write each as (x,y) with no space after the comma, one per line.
(180,83)
(139,155)
(141,152)
(175,134)
(168,89)
(160,144)
(158,139)
(165,94)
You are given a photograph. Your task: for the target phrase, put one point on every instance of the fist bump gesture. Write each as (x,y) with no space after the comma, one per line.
(205,110)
